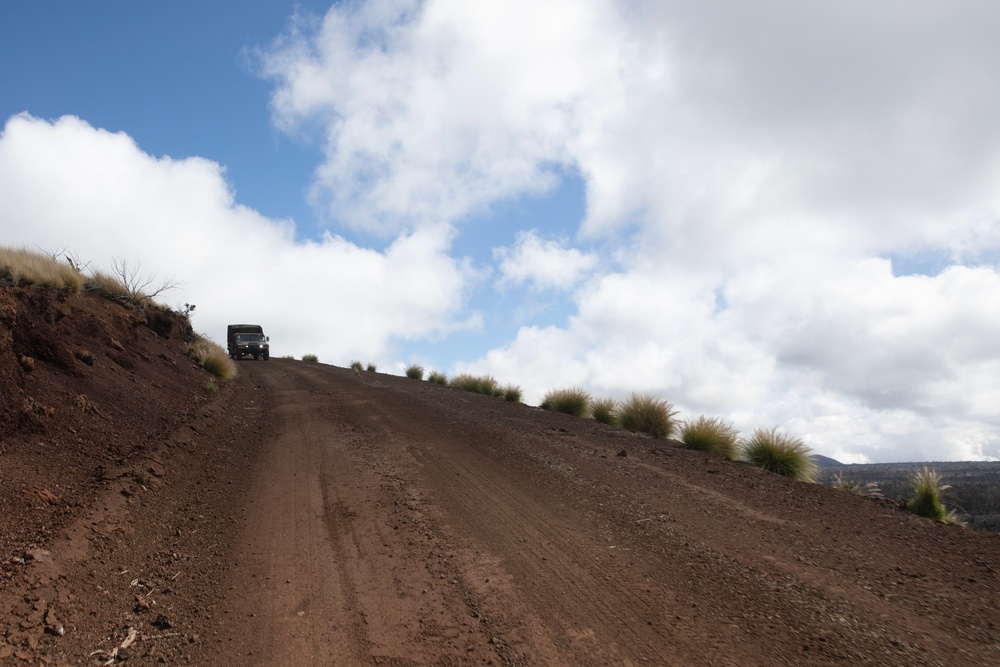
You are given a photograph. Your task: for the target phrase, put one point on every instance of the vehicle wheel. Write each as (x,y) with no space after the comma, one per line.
(267,356)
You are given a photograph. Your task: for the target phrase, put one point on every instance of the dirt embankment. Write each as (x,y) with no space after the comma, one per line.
(308,515)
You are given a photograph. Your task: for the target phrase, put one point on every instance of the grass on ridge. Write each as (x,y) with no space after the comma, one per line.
(928,494)
(711,435)
(573,401)
(780,453)
(512,393)
(311,358)
(604,410)
(27,267)
(109,286)
(871,489)
(645,413)
(415,372)
(477,384)
(212,357)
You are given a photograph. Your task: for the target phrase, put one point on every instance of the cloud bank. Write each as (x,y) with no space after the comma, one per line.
(796,205)
(65,184)
(791,210)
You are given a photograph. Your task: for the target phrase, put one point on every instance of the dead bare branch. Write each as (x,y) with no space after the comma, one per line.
(138,284)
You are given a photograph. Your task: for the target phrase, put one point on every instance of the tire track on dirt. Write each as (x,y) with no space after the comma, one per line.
(451,529)
(337,582)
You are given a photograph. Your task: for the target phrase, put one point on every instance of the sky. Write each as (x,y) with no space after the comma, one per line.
(785,214)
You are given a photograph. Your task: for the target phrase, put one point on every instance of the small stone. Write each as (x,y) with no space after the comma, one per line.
(40,555)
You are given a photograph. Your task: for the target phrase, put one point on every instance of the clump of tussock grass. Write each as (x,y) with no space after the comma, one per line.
(355,365)
(371,368)
(870,489)
(311,358)
(477,384)
(711,435)
(573,401)
(20,266)
(604,410)
(928,497)
(780,453)
(415,372)
(109,287)
(645,413)
(212,357)
(512,393)
(437,377)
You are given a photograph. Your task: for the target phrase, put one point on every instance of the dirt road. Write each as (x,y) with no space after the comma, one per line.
(313,516)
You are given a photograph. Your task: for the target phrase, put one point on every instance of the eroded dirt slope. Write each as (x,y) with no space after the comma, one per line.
(307,515)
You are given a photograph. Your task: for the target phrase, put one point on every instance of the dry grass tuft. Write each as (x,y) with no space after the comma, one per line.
(604,410)
(645,413)
(415,372)
(711,435)
(477,384)
(928,497)
(109,287)
(780,453)
(311,358)
(212,357)
(20,266)
(573,401)
(870,489)
(512,393)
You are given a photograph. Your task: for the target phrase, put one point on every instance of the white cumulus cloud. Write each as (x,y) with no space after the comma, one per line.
(543,264)
(756,175)
(65,184)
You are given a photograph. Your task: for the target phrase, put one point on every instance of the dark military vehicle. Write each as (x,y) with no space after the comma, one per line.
(248,339)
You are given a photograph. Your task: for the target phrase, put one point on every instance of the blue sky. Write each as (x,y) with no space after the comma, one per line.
(784,216)
(177,77)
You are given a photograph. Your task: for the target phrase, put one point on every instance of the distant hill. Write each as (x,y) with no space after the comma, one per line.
(825,461)
(974,492)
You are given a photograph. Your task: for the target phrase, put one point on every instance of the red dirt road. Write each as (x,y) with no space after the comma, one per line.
(312,516)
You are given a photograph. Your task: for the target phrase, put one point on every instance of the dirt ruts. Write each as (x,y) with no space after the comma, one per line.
(309,515)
